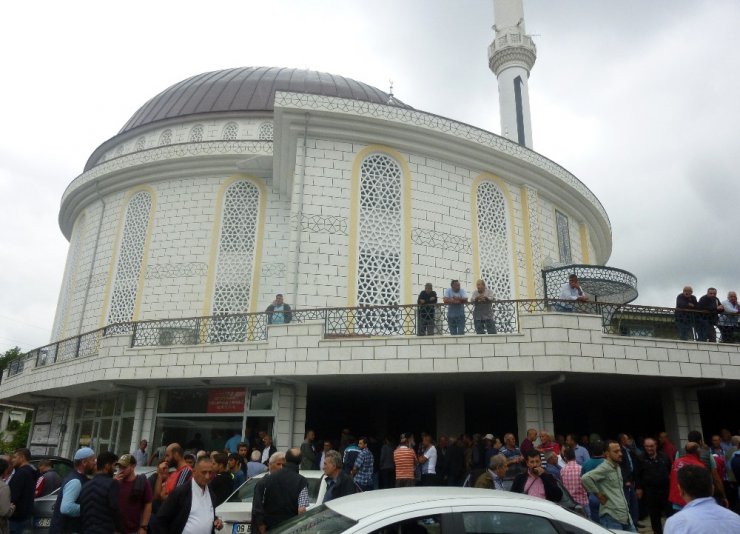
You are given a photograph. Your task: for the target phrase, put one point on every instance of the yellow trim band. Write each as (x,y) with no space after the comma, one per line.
(528,252)
(585,254)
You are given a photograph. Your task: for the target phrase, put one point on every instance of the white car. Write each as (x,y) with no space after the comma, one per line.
(236,511)
(439,511)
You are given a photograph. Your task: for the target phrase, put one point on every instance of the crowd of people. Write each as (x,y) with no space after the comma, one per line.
(699,319)
(617,483)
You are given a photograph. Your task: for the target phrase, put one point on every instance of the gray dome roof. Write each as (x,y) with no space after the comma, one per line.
(248,89)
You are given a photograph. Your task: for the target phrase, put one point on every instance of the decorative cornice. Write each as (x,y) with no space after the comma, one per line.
(439,124)
(169,152)
(510,49)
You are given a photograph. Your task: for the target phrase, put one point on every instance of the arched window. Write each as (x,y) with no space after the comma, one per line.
(130,258)
(494,240)
(265,132)
(140,144)
(70,280)
(379,240)
(196,133)
(230,132)
(165,138)
(236,248)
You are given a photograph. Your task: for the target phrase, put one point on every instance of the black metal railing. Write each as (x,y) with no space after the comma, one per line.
(408,320)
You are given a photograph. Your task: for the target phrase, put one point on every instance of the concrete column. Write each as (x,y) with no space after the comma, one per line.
(137,433)
(533,407)
(680,413)
(290,423)
(67,447)
(450,407)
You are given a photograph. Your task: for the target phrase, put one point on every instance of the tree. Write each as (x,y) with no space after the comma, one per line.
(8,355)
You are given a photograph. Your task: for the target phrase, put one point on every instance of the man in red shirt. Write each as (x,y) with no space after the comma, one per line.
(528,442)
(691,458)
(175,457)
(666,447)
(134,497)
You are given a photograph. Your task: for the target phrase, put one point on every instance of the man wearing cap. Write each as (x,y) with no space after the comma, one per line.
(66,517)
(134,496)
(99,511)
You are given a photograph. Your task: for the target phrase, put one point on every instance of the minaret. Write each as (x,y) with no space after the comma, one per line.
(511,56)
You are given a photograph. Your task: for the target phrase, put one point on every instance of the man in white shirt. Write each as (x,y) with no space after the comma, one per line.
(428,461)
(189,508)
(572,291)
(140,454)
(728,319)
(701,515)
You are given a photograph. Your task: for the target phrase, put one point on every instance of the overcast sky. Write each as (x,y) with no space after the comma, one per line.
(638,99)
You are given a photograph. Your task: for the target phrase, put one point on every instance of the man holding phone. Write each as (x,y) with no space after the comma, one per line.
(536,482)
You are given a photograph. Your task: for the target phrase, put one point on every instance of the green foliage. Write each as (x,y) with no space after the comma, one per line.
(13,425)
(7,356)
(19,439)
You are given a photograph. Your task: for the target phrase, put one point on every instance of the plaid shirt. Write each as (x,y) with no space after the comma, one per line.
(570,476)
(364,466)
(303,498)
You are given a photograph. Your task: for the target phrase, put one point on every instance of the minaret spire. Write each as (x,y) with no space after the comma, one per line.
(511,56)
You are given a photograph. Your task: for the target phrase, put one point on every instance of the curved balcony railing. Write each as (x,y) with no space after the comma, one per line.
(373,321)
(601,283)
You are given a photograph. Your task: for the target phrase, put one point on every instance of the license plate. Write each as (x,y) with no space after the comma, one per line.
(241,528)
(43,522)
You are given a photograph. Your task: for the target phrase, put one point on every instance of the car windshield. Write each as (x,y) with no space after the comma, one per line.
(319,520)
(245,493)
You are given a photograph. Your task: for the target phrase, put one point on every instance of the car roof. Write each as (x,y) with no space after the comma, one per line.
(310,473)
(362,505)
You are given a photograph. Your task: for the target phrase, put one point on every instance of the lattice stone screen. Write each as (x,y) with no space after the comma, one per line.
(236,247)
(265,132)
(494,240)
(130,258)
(380,231)
(196,133)
(165,138)
(230,132)
(563,229)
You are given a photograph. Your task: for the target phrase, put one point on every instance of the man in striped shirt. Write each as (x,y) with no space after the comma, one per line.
(405,460)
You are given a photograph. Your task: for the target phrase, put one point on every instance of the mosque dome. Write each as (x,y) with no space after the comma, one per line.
(248,89)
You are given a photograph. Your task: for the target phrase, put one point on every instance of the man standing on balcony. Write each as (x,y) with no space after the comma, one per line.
(482,300)
(571,290)
(278,312)
(728,320)
(685,305)
(712,307)
(455,297)
(426,302)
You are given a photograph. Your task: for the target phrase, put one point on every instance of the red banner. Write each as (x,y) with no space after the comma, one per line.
(226,400)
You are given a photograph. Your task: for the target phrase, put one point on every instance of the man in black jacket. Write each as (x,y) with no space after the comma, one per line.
(99,509)
(712,307)
(222,484)
(278,312)
(191,504)
(536,482)
(338,484)
(654,474)
(285,493)
(22,490)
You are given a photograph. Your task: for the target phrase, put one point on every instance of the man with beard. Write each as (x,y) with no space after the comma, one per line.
(175,457)
(66,516)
